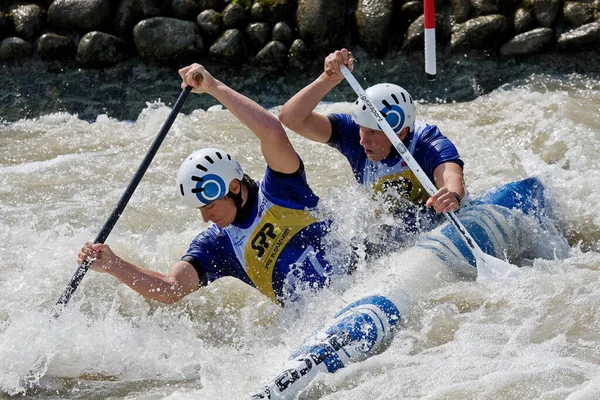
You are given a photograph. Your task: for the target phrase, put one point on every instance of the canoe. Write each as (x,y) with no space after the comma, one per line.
(510,222)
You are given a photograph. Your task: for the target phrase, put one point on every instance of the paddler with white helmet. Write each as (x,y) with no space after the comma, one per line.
(263,233)
(374,160)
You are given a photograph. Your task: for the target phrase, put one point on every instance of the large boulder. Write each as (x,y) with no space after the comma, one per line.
(488,32)
(578,13)
(211,23)
(273,57)
(523,21)
(461,10)
(163,40)
(321,23)
(283,33)
(484,7)
(545,11)
(258,34)
(230,48)
(51,45)
(299,55)
(99,49)
(234,16)
(586,37)
(80,16)
(15,47)
(29,20)
(534,41)
(373,22)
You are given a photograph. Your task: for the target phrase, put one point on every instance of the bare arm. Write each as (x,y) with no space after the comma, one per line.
(298,112)
(274,142)
(180,281)
(449,179)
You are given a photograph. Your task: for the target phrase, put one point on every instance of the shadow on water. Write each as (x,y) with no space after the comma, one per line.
(30,88)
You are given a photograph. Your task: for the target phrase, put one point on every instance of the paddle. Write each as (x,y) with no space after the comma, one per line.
(488,267)
(114,217)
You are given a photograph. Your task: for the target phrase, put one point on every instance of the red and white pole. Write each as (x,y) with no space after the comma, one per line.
(429,14)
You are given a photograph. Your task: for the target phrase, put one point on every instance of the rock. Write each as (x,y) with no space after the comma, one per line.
(51,45)
(99,49)
(586,37)
(415,36)
(484,7)
(321,23)
(488,32)
(299,55)
(15,47)
(211,23)
(535,41)
(234,16)
(163,40)
(461,10)
(577,14)
(258,35)
(258,12)
(544,11)
(523,21)
(273,57)
(373,22)
(283,33)
(80,16)
(230,48)
(29,20)
(411,10)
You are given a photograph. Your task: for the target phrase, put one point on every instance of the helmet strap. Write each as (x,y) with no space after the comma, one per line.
(244,209)
(392,154)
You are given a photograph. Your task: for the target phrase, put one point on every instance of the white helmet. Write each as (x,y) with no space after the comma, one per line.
(393,102)
(205,175)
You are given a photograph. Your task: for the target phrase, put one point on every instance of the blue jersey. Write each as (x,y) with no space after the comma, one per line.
(392,179)
(426,144)
(278,249)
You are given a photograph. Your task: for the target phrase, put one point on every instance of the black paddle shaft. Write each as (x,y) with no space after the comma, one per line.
(114,217)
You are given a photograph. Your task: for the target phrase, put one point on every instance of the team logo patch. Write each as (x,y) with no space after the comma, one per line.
(210,188)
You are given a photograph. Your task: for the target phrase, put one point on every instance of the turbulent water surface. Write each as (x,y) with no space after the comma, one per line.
(535,337)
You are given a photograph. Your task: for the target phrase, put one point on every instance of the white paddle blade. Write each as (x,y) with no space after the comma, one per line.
(494,269)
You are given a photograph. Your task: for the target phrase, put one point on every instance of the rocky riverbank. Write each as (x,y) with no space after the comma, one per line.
(113,56)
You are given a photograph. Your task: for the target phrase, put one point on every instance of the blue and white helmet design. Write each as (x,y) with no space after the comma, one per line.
(205,175)
(392,101)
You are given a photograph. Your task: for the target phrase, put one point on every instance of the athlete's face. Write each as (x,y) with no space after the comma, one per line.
(375,143)
(222,212)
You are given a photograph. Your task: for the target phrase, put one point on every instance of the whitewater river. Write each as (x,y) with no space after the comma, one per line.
(535,337)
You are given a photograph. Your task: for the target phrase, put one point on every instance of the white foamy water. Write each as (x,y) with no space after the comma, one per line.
(535,337)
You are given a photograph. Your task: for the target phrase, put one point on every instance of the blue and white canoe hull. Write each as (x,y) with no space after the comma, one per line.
(508,222)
